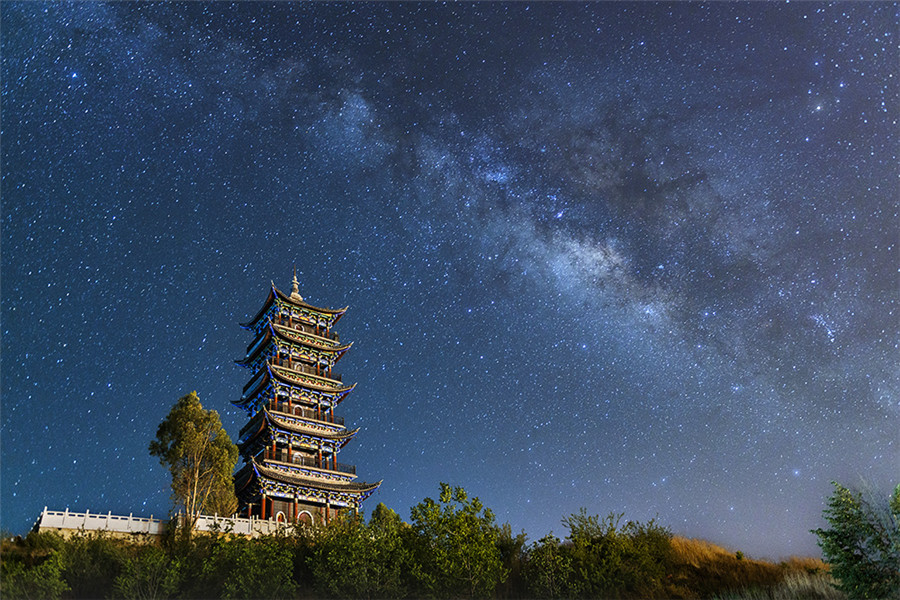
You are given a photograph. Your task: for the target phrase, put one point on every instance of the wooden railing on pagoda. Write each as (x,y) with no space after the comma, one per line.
(299,411)
(306,461)
(302,368)
(281,320)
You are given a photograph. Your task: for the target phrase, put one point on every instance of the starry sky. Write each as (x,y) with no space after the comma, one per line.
(630,257)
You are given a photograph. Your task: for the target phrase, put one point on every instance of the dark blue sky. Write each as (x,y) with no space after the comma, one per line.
(631,257)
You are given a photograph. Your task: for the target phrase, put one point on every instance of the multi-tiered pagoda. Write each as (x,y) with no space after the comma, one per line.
(290,446)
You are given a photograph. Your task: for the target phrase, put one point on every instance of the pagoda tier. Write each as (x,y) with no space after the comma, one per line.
(294,312)
(292,347)
(296,497)
(297,436)
(290,391)
(290,445)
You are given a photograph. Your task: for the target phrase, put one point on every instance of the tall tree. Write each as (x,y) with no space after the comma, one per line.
(458,546)
(862,542)
(195,447)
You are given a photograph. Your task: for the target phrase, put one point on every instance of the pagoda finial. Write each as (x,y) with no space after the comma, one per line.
(295,287)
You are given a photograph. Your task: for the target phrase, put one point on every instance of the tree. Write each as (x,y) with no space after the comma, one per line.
(391,536)
(342,558)
(149,574)
(549,570)
(91,562)
(355,560)
(613,560)
(195,447)
(43,581)
(862,544)
(458,553)
(251,568)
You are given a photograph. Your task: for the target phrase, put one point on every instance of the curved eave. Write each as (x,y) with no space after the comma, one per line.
(262,381)
(261,378)
(338,394)
(282,332)
(252,429)
(333,314)
(339,389)
(288,427)
(258,345)
(249,324)
(262,341)
(328,312)
(280,476)
(244,476)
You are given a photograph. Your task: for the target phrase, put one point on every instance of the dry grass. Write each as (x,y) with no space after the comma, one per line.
(795,585)
(706,570)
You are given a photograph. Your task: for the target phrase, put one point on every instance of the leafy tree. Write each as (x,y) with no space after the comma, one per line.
(353,560)
(148,575)
(40,582)
(252,568)
(392,540)
(342,557)
(862,543)
(457,545)
(90,563)
(195,447)
(613,560)
(512,556)
(549,571)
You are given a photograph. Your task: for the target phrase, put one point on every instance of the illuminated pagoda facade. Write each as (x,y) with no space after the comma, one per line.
(290,445)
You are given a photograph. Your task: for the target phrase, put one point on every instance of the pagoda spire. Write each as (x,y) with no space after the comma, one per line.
(295,287)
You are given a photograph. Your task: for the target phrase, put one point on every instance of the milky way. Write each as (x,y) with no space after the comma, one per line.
(638,258)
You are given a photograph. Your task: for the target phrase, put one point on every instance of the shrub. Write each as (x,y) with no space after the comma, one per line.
(90,564)
(456,546)
(609,560)
(257,568)
(43,581)
(148,575)
(548,570)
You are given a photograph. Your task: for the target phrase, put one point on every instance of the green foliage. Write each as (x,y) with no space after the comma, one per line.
(200,456)
(512,557)
(453,549)
(391,539)
(862,543)
(43,581)
(549,572)
(456,549)
(352,560)
(42,542)
(149,575)
(612,561)
(257,568)
(91,562)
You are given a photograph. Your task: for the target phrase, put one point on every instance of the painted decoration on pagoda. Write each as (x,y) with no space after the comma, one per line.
(290,444)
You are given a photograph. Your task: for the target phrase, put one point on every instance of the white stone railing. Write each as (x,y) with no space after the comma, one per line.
(252,526)
(87,521)
(98,522)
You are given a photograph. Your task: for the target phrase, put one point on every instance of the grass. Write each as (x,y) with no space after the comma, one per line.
(705,570)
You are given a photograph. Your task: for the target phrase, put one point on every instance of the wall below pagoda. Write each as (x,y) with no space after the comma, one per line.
(284,510)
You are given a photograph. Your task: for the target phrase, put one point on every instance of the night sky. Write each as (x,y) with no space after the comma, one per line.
(638,258)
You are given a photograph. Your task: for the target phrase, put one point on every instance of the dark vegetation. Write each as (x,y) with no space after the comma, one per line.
(862,542)
(452,548)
